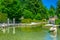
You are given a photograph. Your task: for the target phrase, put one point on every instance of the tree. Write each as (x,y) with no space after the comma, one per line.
(12,8)
(27,14)
(52,11)
(33,9)
(38,16)
(58,9)
(3,17)
(35,6)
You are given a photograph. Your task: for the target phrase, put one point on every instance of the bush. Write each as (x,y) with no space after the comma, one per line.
(3,17)
(26,20)
(57,21)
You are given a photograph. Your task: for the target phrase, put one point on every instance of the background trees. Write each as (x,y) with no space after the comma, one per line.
(52,11)
(58,9)
(3,17)
(32,9)
(12,8)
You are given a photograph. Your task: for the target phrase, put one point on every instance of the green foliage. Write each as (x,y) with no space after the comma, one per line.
(36,20)
(12,8)
(27,14)
(29,9)
(52,11)
(26,20)
(38,16)
(3,17)
(58,9)
(58,22)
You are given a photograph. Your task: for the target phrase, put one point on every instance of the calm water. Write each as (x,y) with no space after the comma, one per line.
(37,36)
(21,35)
(43,35)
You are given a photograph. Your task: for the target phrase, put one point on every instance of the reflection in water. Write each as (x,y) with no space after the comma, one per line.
(51,37)
(52,33)
(54,37)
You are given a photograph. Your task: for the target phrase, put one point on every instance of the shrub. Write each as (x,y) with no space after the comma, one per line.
(26,20)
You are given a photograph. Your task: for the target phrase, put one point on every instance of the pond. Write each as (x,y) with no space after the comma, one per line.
(25,35)
(40,35)
(37,36)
